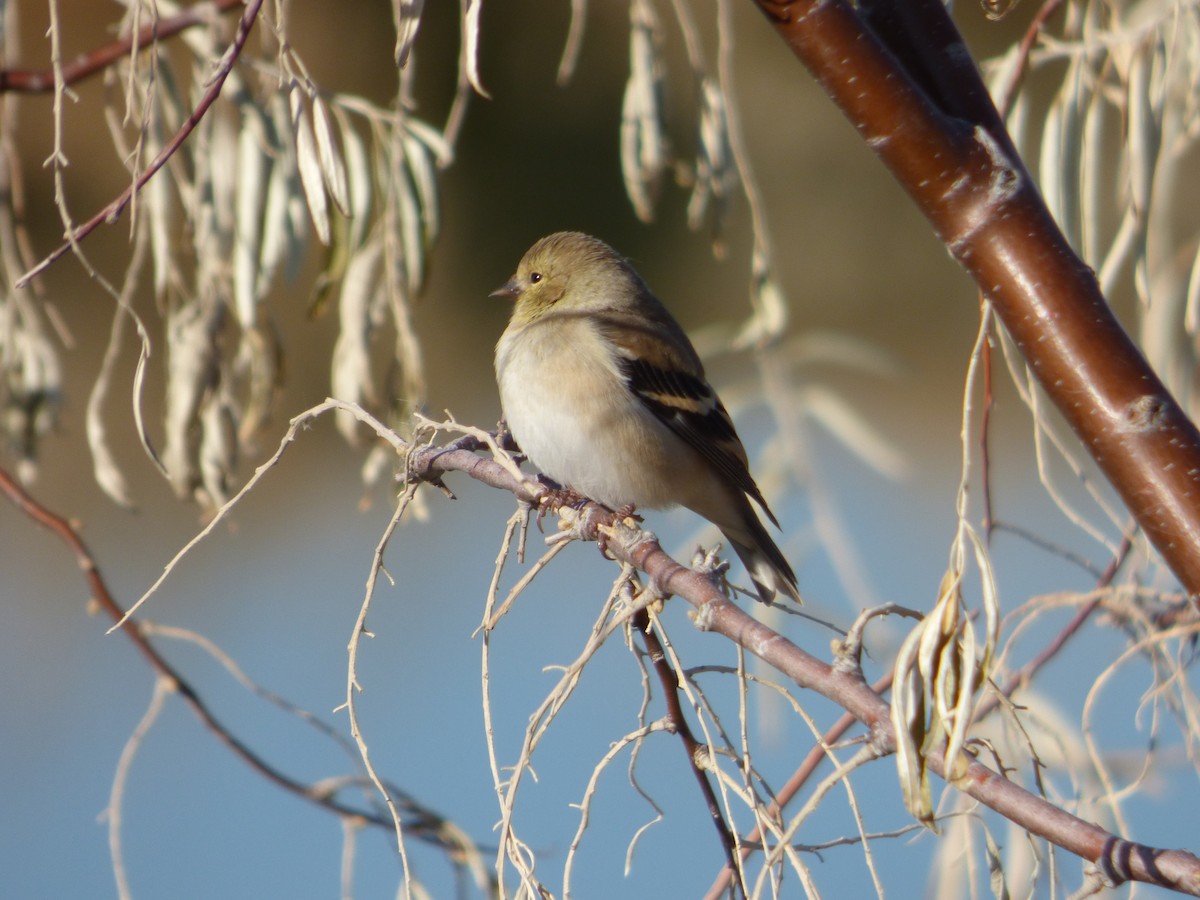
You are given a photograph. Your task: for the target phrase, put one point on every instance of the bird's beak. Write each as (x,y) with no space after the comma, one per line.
(507,291)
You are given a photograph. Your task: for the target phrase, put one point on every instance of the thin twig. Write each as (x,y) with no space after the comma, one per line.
(696,752)
(113,210)
(101,596)
(41,81)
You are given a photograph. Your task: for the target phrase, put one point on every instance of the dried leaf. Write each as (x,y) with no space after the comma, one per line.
(105,469)
(285,228)
(566,66)
(351,378)
(253,172)
(470,54)
(769,321)
(259,365)
(192,372)
(1058,167)
(218,449)
(362,186)
(714,161)
(406,14)
(332,166)
(643,139)
(309,164)
(423,170)
(1143,128)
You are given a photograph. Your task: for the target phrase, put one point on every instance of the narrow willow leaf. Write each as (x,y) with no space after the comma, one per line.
(276,220)
(361,181)
(1143,131)
(995,867)
(223,164)
(770,317)
(309,164)
(285,219)
(350,378)
(431,138)
(191,371)
(908,722)
(566,65)
(643,141)
(408,208)
(713,160)
(470,56)
(253,173)
(260,366)
(332,166)
(105,468)
(406,15)
(158,209)
(217,453)
(1191,319)
(1058,167)
(423,170)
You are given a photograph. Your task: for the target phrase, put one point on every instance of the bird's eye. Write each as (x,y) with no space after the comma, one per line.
(535,277)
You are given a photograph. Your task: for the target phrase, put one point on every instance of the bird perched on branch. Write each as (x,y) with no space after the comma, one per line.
(604,393)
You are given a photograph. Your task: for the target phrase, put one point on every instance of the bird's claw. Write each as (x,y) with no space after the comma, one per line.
(555,499)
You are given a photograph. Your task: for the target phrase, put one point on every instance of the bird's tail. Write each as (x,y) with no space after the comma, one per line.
(765,562)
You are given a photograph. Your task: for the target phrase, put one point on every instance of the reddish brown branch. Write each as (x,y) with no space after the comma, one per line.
(1118,859)
(946,148)
(113,211)
(423,824)
(692,747)
(38,81)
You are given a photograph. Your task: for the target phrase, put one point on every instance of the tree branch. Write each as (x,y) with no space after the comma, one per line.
(40,81)
(906,81)
(1117,860)
(113,211)
(424,824)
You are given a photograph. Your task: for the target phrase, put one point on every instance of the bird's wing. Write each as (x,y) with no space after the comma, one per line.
(670,382)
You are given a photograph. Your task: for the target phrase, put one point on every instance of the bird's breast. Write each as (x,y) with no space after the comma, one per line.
(571,412)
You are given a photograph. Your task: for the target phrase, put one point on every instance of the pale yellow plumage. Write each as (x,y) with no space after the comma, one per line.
(604,393)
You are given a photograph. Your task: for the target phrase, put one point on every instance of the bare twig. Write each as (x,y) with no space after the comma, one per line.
(100,595)
(1177,869)
(697,753)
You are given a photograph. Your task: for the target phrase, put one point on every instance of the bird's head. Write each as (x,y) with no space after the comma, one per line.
(568,272)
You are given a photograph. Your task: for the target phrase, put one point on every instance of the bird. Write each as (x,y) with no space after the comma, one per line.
(602,391)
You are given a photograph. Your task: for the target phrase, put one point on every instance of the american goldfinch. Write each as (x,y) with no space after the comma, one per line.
(604,393)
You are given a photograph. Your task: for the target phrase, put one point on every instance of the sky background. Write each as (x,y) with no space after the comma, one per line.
(279,585)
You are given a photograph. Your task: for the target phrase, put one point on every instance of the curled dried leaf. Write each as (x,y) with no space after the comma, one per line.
(470,53)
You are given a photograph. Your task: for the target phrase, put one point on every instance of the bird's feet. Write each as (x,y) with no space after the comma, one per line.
(627,512)
(556,498)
